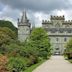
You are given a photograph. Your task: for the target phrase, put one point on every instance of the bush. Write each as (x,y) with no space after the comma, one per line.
(17,64)
(3,62)
(68,50)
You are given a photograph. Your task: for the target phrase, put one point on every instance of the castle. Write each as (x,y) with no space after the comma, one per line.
(59,31)
(24,27)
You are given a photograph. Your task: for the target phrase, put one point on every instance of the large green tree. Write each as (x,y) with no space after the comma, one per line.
(6,36)
(40,42)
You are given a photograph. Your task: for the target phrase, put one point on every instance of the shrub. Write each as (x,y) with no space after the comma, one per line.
(3,62)
(68,50)
(17,64)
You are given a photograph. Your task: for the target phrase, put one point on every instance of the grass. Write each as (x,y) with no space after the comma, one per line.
(30,69)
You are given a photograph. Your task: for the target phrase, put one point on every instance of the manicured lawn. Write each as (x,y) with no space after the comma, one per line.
(30,69)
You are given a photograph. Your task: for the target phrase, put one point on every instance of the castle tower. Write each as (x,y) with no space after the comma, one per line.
(23,27)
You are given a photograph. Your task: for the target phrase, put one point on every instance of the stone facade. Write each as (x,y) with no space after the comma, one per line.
(59,31)
(24,27)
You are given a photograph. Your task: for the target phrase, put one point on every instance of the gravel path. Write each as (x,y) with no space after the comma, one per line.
(55,64)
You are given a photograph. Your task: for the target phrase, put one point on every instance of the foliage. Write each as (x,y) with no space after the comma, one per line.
(68,50)
(31,68)
(8,24)
(69,46)
(23,55)
(40,40)
(3,62)
(17,64)
(6,35)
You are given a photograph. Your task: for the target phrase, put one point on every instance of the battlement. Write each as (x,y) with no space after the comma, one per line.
(57,17)
(67,22)
(46,22)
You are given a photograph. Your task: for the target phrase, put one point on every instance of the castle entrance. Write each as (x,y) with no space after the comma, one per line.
(57,51)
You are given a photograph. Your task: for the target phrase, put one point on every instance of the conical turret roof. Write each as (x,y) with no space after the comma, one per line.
(24,17)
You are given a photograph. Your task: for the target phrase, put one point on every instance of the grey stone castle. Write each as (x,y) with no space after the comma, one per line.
(59,31)
(24,27)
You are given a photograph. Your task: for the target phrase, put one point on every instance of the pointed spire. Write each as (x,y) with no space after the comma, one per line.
(24,17)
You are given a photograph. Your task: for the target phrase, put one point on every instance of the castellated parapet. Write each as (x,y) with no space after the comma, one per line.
(68,22)
(46,22)
(57,17)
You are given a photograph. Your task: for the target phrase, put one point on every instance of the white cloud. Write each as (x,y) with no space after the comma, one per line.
(9,14)
(39,17)
(9,19)
(36,18)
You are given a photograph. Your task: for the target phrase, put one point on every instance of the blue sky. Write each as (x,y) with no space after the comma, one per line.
(37,10)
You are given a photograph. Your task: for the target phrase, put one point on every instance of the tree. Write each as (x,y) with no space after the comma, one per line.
(68,50)
(8,24)
(8,32)
(6,37)
(40,40)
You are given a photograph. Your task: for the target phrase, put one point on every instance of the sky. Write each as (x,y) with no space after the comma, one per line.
(37,10)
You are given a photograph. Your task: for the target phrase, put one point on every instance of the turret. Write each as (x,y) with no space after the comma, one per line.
(24,17)
(24,20)
(24,27)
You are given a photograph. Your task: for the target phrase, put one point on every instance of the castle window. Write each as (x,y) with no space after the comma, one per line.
(57,48)
(65,39)
(69,31)
(57,39)
(53,30)
(61,31)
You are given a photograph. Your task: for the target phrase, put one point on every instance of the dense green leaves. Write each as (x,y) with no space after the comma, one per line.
(8,24)
(68,50)
(23,55)
(16,64)
(39,40)
(6,35)
(69,46)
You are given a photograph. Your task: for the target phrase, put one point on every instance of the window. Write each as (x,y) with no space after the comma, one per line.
(57,48)
(53,30)
(57,39)
(69,31)
(61,30)
(65,39)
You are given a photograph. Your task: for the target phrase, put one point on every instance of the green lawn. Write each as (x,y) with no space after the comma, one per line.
(30,69)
